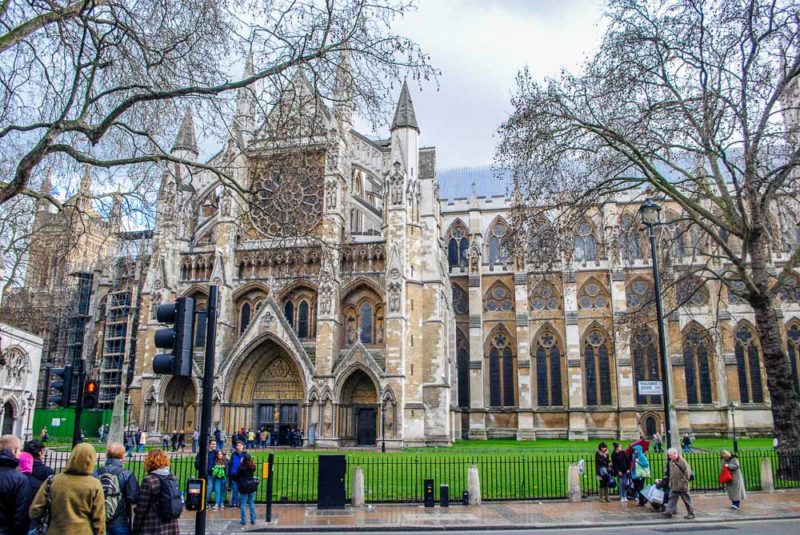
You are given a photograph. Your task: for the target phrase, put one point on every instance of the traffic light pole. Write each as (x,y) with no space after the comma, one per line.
(208,393)
(76,430)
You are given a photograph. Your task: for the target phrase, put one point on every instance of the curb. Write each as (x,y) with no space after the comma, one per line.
(515,527)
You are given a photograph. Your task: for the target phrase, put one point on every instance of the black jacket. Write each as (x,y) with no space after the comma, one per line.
(212,455)
(129,487)
(15,496)
(620,462)
(600,461)
(41,471)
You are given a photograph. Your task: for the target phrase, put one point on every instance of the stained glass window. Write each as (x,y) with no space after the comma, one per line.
(790,291)
(646,366)
(462,363)
(366,323)
(302,319)
(734,299)
(498,251)
(499,299)
(584,246)
(696,366)
(548,370)
(244,318)
(592,295)
(544,297)
(691,291)
(597,368)
(501,372)
(460,300)
(458,245)
(288,311)
(639,293)
(748,367)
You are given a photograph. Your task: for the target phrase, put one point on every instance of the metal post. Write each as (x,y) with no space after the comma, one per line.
(76,429)
(662,341)
(732,407)
(383,426)
(208,392)
(270,468)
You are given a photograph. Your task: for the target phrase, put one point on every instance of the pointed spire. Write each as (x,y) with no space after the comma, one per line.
(343,93)
(47,185)
(404,116)
(86,180)
(186,139)
(116,209)
(249,69)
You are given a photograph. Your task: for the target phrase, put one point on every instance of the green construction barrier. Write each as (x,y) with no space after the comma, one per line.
(60,422)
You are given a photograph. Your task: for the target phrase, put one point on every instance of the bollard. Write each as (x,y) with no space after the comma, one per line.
(767,480)
(474,486)
(574,483)
(358,487)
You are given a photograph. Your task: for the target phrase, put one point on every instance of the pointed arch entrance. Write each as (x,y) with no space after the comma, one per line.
(267,392)
(9,418)
(180,406)
(358,409)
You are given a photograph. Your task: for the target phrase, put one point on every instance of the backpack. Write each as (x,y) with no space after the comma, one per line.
(248,485)
(112,493)
(170,505)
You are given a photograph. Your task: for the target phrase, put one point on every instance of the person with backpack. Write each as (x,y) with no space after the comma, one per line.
(159,505)
(247,484)
(120,489)
(233,469)
(72,501)
(218,471)
(680,474)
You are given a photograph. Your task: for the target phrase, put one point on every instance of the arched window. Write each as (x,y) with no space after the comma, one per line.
(288,311)
(629,238)
(793,349)
(302,319)
(692,291)
(498,250)
(457,245)
(460,300)
(639,293)
(645,363)
(548,369)
(696,366)
(676,238)
(244,318)
(597,368)
(748,366)
(501,372)
(593,295)
(584,247)
(790,291)
(499,299)
(734,299)
(365,317)
(544,297)
(462,364)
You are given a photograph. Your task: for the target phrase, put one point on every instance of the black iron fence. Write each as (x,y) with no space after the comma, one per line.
(531,476)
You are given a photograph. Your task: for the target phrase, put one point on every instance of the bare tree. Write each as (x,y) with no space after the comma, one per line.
(104,82)
(684,101)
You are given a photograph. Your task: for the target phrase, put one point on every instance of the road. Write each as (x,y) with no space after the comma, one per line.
(757,527)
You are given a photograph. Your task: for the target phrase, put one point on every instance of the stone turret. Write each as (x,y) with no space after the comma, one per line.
(244,123)
(186,140)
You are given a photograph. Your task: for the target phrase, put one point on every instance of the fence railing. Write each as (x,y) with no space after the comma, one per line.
(530,476)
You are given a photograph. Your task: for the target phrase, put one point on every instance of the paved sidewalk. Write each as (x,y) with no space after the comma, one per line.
(711,508)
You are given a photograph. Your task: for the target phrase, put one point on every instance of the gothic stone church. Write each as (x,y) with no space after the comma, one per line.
(399,314)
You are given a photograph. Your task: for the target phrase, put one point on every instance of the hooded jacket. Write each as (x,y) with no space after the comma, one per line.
(15,496)
(77,501)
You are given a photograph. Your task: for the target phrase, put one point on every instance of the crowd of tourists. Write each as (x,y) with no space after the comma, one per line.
(629,471)
(232,472)
(261,438)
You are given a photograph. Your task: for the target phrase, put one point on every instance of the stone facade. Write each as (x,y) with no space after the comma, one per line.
(364,298)
(21,354)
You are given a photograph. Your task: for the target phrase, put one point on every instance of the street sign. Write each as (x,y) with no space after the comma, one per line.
(650,388)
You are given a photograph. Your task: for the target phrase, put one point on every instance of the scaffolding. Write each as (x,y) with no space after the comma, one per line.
(115,341)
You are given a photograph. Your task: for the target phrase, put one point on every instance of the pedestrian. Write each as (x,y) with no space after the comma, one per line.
(733,479)
(100,432)
(43,435)
(15,490)
(219,475)
(120,489)
(680,473)
(602,470)
(247,485)
(165,441)
(174,440)
(37,450)
(212,454)
(233,469)
(658,445)
(26,469)
(251,439)
(181,440)
(75,498)
(142,440)
(159,505)
(263,438)
(687,443)
(195,440)
(640,470)
(621,466)
(218,435)
(775,443)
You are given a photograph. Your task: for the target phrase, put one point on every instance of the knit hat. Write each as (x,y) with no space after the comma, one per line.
(25,462)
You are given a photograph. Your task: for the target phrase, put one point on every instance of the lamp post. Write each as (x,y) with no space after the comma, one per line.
(732,408)
(30,414)
(128,407)
(383,426)
(650,211)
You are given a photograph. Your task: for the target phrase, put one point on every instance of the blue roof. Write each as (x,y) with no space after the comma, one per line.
(459,183)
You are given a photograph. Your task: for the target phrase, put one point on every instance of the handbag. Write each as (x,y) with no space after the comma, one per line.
(725,476)
(642,472)
(43,523)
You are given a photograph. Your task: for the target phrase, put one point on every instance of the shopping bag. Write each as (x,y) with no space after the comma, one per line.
(725,476)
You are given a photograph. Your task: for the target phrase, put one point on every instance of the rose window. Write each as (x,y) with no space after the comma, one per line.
(286,203)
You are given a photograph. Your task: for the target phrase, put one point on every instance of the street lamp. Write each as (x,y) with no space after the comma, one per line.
(129,404)
(650,211)
(30,413)
(383,426)
(732,408)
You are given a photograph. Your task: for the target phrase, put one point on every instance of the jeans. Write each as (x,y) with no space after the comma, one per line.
(194,446)
(209,488)
(120,529)
(248,499)
(234,493)
(219,491)
(622,483)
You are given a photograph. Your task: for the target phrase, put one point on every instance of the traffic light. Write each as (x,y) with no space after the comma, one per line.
(90,393)
(62,386)
(178,338)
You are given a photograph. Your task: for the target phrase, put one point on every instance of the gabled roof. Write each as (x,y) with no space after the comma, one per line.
(404,116)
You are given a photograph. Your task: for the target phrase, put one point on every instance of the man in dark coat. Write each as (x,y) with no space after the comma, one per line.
(15,491)
(121,523)
(40,470)
(212,454)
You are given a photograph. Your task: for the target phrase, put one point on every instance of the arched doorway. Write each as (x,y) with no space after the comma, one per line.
(9,418)
(649,427)
(179,406)
(358,410)
(267,393)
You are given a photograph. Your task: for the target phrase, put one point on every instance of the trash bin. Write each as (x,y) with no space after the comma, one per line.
(444,496)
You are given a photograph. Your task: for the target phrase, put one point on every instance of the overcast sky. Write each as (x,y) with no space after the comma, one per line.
(480,45)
